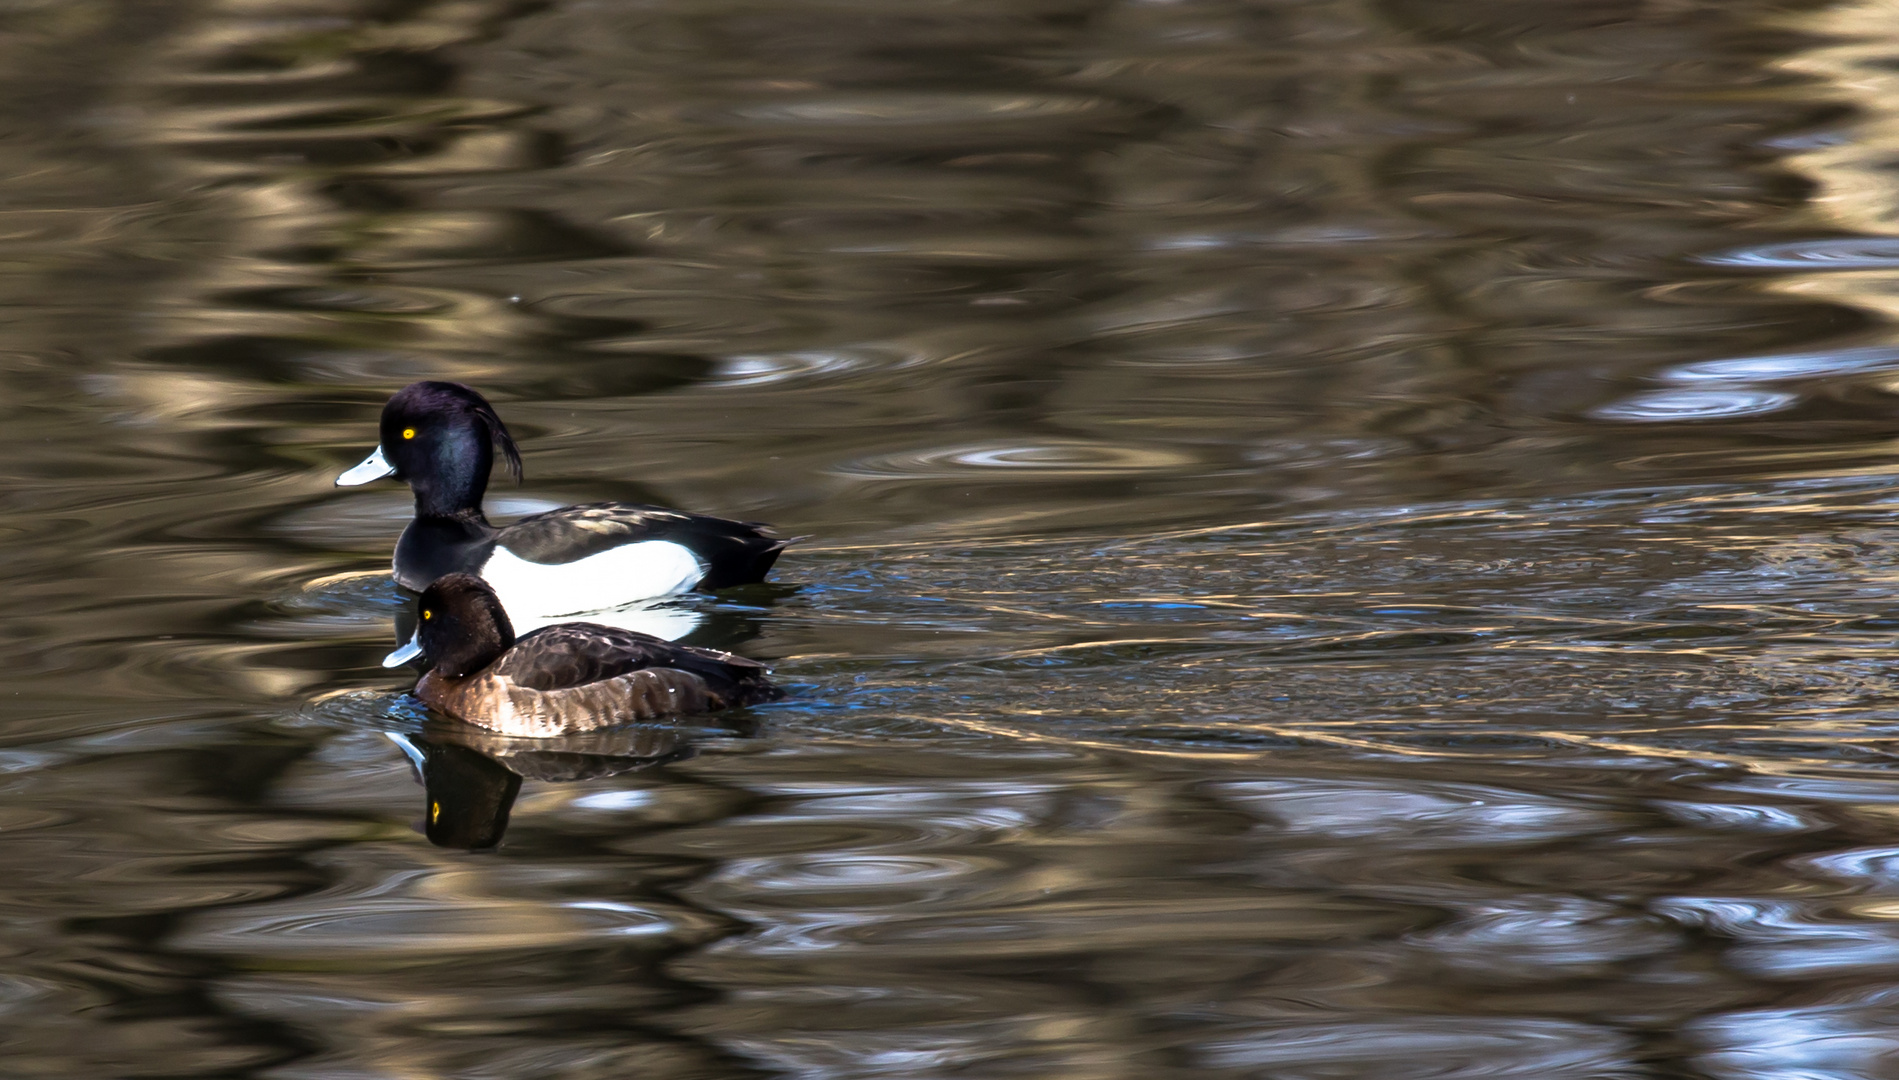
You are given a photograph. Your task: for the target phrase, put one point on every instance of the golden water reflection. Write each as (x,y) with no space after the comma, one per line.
(1345,540)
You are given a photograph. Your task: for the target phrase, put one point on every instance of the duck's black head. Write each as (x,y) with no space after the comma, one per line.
(439,437)
(461,626)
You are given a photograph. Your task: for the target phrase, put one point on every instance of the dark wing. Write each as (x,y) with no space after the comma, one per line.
(735,552)
(567,655)
(574,654)
(574,532)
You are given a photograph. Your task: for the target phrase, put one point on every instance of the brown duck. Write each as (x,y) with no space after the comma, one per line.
(565,678)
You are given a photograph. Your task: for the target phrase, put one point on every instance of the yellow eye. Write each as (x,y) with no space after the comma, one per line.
(435,812)
(408,433)
(428,615)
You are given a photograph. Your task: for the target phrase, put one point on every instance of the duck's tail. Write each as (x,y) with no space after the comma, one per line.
(749,564)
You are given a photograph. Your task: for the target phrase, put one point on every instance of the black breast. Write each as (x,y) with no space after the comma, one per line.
(433,546)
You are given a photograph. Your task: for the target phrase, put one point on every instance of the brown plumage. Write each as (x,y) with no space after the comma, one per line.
(567,678)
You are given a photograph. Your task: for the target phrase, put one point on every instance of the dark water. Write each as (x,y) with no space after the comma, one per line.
(1347,539)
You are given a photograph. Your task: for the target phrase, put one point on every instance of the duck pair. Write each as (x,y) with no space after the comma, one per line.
(477,580)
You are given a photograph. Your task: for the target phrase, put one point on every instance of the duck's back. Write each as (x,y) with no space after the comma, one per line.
(581,676)
(729,552)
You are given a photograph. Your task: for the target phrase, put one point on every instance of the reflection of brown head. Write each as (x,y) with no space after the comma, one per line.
(470,796)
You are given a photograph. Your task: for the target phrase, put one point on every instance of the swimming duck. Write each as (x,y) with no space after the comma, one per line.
(440,438)
(560,679)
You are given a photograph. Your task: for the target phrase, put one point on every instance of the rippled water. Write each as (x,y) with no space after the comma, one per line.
(1346,540)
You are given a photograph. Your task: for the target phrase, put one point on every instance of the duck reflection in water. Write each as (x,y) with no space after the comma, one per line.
(472,777)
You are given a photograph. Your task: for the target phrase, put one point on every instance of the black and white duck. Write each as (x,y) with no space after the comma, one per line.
(440,437)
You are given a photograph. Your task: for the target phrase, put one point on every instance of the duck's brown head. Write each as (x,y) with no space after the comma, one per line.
(461,626)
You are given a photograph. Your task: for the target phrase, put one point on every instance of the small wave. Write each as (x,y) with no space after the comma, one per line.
(1066,457)
(1666,405)
(763,369)
(1846,253)
(398,925)
(1785,367)
(923,109)
(846,871)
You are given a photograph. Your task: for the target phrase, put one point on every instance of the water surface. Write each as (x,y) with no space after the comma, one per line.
(1346,539)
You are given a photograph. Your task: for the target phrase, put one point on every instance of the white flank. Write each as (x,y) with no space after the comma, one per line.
(653,617)
(542,593)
